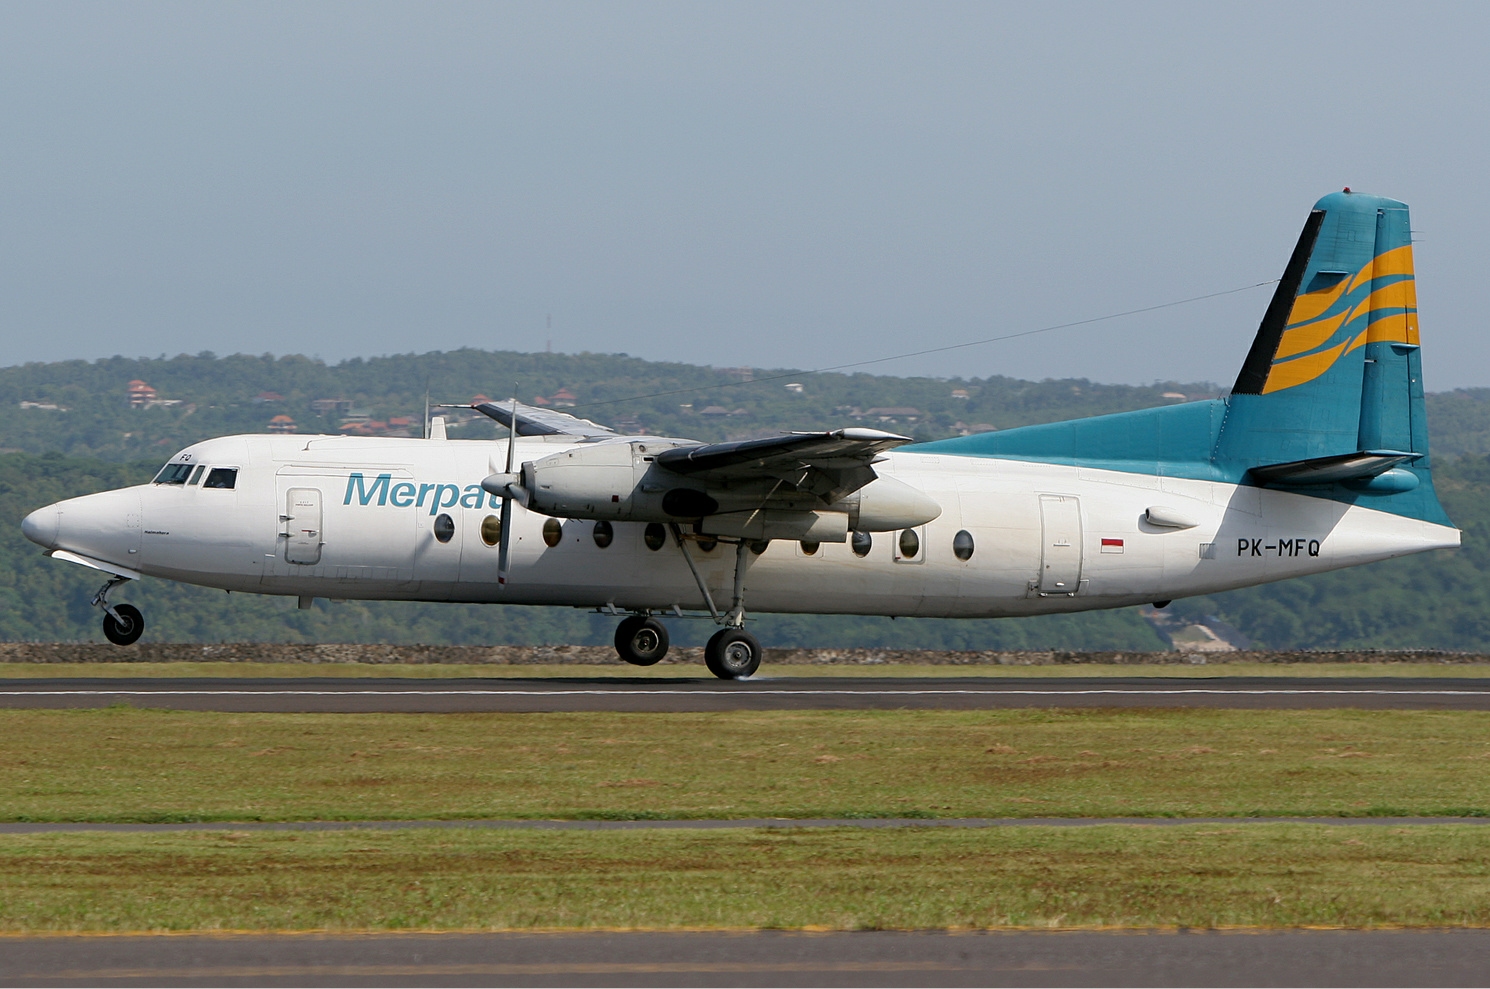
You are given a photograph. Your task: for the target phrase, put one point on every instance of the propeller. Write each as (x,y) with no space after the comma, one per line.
(507,486)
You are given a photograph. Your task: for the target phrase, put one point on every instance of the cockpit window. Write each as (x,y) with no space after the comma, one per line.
(173,474)
(196,475)
(221,477)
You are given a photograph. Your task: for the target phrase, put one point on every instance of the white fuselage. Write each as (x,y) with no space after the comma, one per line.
(1046,538)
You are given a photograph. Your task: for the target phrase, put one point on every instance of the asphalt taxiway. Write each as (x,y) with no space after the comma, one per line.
(770,958)
(409,694)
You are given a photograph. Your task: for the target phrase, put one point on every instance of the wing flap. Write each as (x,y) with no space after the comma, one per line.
(839,449)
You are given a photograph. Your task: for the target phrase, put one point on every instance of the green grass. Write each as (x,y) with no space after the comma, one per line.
(768,670)
(123,764)
(1253,875)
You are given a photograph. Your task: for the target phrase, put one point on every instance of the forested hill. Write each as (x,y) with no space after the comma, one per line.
(92,438)
(84,408)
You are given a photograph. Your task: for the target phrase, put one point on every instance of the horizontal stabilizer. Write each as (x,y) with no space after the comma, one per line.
(533,421)
(1333,469)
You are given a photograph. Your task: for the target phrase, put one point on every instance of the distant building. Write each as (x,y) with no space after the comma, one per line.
(713,410)
(1175,396)
(540,400)
(740,373)
(267,396)
(140,394)
(281,424)
(326,406)
(477,400)
(48,406)
(892,413)
(563,399)
(960,394)
(795,387)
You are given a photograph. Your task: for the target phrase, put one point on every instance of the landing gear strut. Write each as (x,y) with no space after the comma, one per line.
(732,653)
(641,640)
(122,623)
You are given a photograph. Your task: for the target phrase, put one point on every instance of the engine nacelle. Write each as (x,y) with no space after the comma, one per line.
(620,482)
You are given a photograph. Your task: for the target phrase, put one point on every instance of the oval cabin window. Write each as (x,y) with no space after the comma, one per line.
(910,544)
(444,527)
(862,543)
(603,534)
(655,536)
(962,545)
(491,530)
(553,531)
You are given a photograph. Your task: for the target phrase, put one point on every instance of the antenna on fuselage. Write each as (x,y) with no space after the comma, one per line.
(424,433)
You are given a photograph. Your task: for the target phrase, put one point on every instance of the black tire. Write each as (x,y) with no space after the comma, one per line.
(641,641)
(732,654)
(127,629)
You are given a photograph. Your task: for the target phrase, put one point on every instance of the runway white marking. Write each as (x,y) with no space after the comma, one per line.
(1144,692)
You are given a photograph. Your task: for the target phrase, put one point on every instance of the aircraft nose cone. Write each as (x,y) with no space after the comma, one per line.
(41,526)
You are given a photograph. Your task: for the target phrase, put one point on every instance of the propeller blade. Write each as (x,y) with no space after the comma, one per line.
(503,541)
(507,490)
(512,436)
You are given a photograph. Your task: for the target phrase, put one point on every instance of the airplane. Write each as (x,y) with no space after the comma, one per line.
(1316,460)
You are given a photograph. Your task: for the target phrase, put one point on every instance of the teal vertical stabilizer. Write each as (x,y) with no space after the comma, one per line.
(1329,401)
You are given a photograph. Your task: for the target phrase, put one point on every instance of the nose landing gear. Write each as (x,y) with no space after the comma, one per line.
(122,623)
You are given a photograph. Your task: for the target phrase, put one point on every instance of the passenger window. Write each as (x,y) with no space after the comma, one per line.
(173,474)
(196,475)
(222,477)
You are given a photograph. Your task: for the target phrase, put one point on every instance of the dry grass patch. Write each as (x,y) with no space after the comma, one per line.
(1256,875)
(123,764)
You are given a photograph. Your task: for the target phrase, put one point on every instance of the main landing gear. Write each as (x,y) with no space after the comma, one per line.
(122,623)
(731,654)
(641,640)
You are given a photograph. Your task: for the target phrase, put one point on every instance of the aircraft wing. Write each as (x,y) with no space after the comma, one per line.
(533,421)
(831,464)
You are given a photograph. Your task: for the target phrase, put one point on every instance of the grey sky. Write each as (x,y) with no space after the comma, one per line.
(790,184)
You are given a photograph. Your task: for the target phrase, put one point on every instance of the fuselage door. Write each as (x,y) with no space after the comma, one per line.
(1060,544)
(301,525)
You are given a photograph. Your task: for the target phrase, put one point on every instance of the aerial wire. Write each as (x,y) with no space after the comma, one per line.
(941,350)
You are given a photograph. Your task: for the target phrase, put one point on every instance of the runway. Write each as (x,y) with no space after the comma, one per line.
(771,958)
(408,694)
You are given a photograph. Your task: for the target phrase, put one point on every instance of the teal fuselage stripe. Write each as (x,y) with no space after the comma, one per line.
(1177,441)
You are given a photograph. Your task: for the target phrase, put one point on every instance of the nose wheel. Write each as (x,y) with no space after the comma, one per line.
(641,641)
(122,623)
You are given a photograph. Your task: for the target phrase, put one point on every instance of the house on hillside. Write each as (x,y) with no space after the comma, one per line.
(265,397)
(281,424)
(326,406)
(563,399)
(892,413)
(142,396)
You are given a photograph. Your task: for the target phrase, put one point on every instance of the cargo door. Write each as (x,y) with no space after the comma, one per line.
(301,526)
(1060,544)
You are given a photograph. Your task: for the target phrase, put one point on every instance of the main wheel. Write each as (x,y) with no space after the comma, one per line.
(126,628)
(732,654)
(641,641)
